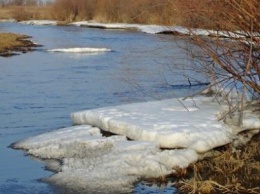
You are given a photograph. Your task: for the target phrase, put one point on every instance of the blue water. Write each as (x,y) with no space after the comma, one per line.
(39,90)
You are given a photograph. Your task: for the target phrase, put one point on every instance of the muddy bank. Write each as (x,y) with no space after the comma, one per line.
(14,44)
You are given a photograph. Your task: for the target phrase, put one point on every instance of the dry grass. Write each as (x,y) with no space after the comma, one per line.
(8,41)
(230,172)
(25,12)
(131,11)
(190,13)
(5,13)
(14,42)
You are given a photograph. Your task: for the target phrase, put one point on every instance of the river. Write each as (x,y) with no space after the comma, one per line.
(40,89)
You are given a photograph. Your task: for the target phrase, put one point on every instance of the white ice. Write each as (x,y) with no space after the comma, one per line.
(150,29)
(39,22)
(7,20)
(94,163)
(105,25)
(91,162)
(170,123)
(155,29)
(80,50)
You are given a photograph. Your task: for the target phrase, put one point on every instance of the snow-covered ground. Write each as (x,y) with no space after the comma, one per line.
(40,22)
(150,29)
(157,29)
(7,20)
(92,162)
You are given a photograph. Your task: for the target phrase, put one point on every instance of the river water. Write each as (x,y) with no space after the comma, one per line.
(39,90)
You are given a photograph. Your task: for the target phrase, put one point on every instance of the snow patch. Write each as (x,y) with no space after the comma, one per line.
(39,22)
(150,29)
(105,25)
(7,20)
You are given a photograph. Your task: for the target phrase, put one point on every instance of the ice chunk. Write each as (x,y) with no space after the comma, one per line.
(65,135)
(80,50)
(91,162)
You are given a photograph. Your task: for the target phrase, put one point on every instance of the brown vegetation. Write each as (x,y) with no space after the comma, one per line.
(236,63)
(191,13)
(23,10)
(233,171)
(5,13)
(131,11)
(208,14)
(14,42)
(20,13)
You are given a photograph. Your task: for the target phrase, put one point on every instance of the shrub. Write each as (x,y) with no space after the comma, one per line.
(234,62)
(20,13)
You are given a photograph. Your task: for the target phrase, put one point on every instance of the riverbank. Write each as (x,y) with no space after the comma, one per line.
(231,171)
(12,44)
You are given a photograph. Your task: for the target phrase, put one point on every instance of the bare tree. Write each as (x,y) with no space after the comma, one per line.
(232,57)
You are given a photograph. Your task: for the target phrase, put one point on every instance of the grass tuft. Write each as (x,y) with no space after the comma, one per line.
(14,42)
(231,172)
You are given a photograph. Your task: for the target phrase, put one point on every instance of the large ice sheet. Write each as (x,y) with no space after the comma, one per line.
(91,162)
(120,168)
(171,123)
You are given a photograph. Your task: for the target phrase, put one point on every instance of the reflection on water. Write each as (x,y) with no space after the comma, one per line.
(40,89)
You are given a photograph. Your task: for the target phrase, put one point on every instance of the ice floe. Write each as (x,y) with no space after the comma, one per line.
(80,50)
(92,162)
(170,123)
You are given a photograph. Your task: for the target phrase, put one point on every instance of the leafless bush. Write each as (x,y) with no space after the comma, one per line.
(131,11)
(67,10)
(232,58)
(144,11)
(19,2)
(20,13)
